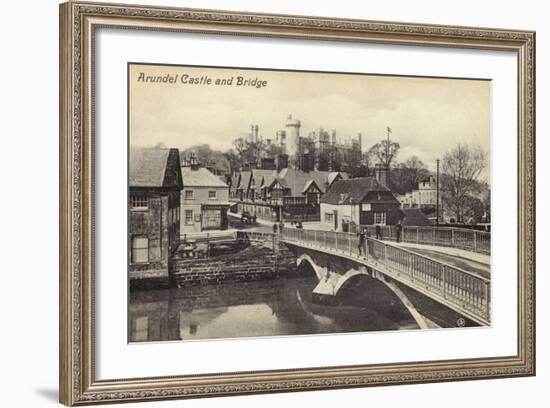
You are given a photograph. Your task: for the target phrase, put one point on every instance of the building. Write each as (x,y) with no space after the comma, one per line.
(155,182)
(414,217)
(204,199)
(424,196)
(359,201)
(319,150)
(295,194)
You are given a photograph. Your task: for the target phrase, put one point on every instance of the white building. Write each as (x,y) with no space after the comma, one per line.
(424,196)
(204,200)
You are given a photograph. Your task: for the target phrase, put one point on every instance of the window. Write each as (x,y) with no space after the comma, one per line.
(189,195)
(212,195)
(380,218)
(138,202)
(177,214)
(312,198)
(211,219)
(140,249)
(329,217)
(188,217)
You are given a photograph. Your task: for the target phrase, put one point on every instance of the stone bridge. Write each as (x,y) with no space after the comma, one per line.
(431,290)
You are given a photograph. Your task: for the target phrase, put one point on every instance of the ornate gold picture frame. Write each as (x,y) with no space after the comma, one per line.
(79,22)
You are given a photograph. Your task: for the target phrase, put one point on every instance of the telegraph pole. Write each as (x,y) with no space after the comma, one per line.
(437,195)
(388,147)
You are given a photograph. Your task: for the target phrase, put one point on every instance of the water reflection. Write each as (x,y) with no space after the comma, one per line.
(265,308)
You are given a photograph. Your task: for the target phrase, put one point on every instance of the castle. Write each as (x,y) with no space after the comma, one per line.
(319,150)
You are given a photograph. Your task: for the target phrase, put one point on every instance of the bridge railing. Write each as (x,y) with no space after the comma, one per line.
(464,290)
(471,240)
(462,238)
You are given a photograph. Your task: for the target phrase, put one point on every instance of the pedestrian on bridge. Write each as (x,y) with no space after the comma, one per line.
(398,229)
(378,231)
(362,238)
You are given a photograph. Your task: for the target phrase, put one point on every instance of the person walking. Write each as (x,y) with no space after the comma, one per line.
(362,238)
(398,229)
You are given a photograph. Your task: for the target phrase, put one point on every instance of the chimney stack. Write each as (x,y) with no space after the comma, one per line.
(381,174)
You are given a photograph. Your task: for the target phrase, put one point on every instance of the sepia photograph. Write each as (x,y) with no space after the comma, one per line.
(281,203)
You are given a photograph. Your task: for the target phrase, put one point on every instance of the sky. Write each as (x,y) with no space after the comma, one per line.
(428,116)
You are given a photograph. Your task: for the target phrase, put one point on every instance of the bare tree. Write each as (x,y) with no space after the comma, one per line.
(407,175)
(461,177)
(368,160)
(233,159)
(385,151)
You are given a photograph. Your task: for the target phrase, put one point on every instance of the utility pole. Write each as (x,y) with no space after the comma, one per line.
(388,147)
(437,195)
(387,164)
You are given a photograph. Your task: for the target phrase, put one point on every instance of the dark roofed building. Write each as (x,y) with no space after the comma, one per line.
(414,217)
(359,201)
(291,192)
(154,211)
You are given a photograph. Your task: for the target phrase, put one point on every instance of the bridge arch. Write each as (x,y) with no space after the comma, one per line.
(348,275)
(319,270)
(362,270)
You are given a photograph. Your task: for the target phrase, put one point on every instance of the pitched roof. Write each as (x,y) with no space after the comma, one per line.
(352,190)
(200,177)
(308,185)
(245,180)
(148,165)
(258,176)
(296,180)
(415,217)
(332,176)
(269,178)
(235,180)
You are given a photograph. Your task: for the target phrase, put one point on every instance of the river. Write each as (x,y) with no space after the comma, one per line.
(262,308)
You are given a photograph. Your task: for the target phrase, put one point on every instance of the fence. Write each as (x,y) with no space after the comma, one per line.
(462,238)
(462,289)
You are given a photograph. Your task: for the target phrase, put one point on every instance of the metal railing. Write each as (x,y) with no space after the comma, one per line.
(254,236)
(462,238)
(455,287)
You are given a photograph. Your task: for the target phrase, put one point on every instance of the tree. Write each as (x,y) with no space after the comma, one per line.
(407,175)
(461,178)
(208,157)
(368,160)
(385,151)
(233,159)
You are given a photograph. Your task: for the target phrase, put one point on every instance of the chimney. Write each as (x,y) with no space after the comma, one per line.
(282,161)
(381,174)
(193,161)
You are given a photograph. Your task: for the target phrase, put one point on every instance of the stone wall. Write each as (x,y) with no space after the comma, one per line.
(240,268)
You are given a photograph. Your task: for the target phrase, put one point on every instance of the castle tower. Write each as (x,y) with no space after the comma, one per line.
(292,136)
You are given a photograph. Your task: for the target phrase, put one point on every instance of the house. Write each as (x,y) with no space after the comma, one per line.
(155,183)
(294,193)
(204,199)
(424,196)
(359,201)
(414,217)
(293,186)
